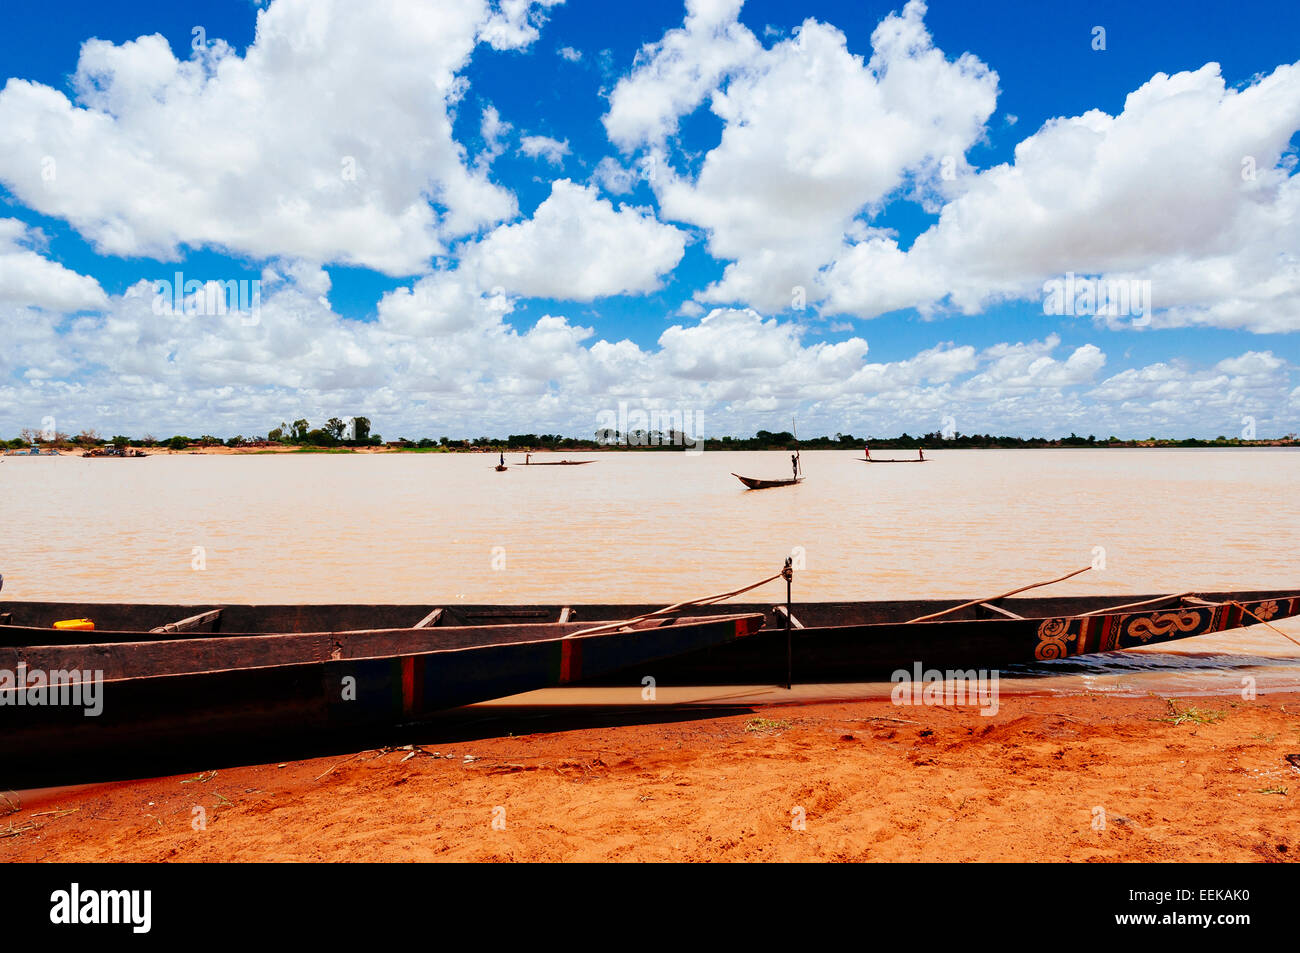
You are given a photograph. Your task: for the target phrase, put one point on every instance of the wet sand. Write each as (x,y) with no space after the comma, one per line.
(873,781)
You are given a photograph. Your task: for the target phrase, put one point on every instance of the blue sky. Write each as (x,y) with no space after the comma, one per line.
(967,340)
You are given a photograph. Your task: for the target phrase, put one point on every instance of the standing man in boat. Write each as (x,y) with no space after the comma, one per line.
(503,458)
(794,464)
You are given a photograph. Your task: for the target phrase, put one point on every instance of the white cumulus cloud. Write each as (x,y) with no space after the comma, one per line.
(577,246)
(812,136)
(28,278)
(325,140)
(544,147)
(1190,187)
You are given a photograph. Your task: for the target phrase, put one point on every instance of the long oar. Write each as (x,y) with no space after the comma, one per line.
(798,457)
(975,602)
(706,601)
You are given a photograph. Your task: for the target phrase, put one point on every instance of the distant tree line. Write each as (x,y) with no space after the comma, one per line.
(356,432)
(335,433)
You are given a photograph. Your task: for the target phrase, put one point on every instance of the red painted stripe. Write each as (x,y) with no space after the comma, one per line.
(570,661)
(1081,645)
(408,684)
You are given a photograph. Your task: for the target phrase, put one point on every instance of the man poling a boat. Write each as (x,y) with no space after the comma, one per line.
(794,457)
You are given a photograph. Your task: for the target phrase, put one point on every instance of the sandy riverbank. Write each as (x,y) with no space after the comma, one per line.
(875,782)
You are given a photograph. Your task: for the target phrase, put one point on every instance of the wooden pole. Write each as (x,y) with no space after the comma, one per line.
(1012,592)
(1144,602)
(190,622)
(797,456)
(788,573)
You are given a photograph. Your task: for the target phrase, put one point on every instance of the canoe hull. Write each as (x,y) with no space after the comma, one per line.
(755,484)
(223,691)
(852,653)
(841,641)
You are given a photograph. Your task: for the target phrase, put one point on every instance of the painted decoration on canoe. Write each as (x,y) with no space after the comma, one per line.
(1164,624)
(1058,638)
(1053,634)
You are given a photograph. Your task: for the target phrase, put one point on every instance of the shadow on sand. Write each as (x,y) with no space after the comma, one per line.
(451,727)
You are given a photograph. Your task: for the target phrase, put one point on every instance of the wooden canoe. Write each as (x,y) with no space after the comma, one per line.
(832,641)
(559,463)
(187,684)
(754,484)
(868,458)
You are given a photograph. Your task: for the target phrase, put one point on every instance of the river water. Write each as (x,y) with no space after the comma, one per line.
(664,527)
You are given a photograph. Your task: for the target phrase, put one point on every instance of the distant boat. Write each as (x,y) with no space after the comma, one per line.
(754,484)
(114,452)
(528,462)
(920,457)
(500,466)
(796,458)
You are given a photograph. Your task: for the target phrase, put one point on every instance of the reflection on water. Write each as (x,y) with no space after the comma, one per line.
(644,527)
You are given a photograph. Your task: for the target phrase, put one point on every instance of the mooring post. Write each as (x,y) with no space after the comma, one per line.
(788,573)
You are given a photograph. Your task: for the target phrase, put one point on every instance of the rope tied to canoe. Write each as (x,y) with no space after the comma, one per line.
(786,573)
(1265,621)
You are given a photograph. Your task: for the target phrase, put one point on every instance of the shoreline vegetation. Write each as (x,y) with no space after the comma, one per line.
(354,436)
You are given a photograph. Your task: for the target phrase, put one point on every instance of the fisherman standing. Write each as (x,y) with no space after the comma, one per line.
(794,464)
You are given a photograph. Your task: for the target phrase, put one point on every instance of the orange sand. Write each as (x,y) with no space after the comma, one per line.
(875,782)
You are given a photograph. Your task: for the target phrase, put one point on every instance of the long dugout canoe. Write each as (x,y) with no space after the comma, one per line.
(830,641)
(753,483)
(168,689)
